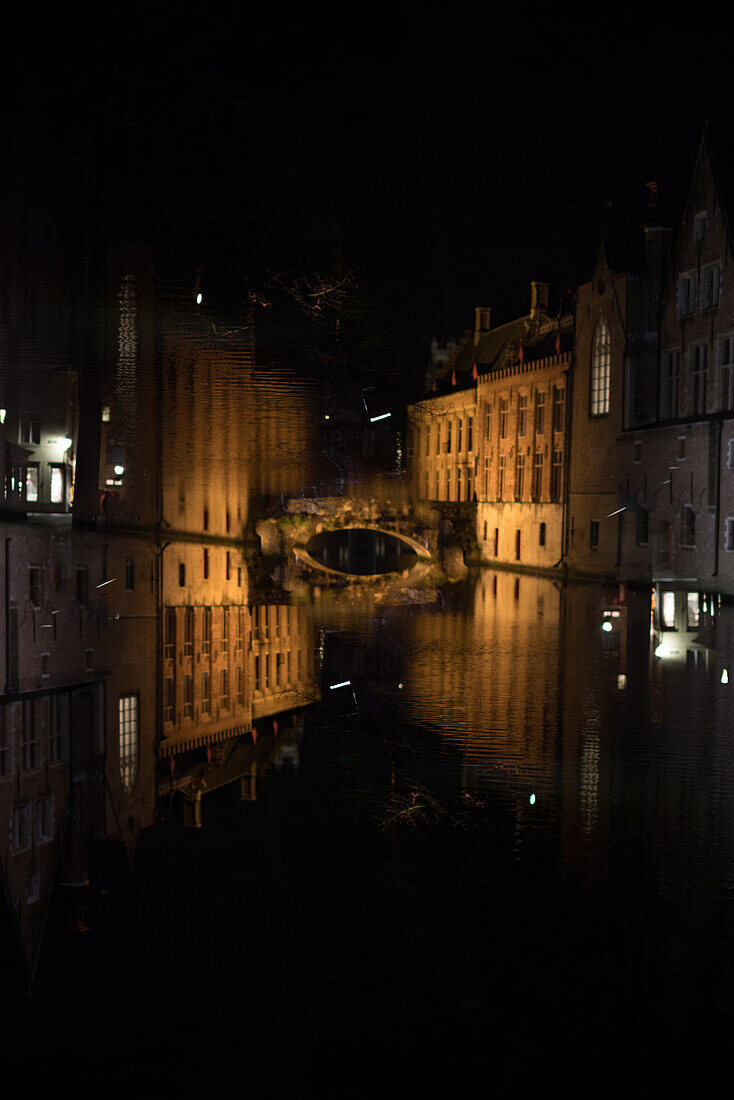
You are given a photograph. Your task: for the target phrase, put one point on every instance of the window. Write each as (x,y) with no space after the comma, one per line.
(188,696)
(130,576)
(643,526)
(556,476)
(240,629)
(518,544)
(31,482)
(59,717)
(181,574)
(189,632)
(519,476)
(128,739)
(728,545)
(241,686)
(501,478)
(538,475)
(559,396)
(257,674)
(115,452)
(522,413)
(594,534)
(447,445)
(206,692)
(206,638)
(699,374)
(486,478)
(496,542)
(227,565)
(710,287)
(44,818)
(225,630)
(726,372)
(688,526)
(169,644)
(470,434)
(22,826)
(693,611)
(4,744)
(539,413)
(33,888)
(224,688)
(459,430)
(458,484)
(29,736)
(670,395)
(637,452)
(541,536)
(700,225)
(484,532)
(30,429)
(206,563)
(169,700)
(600,371)
(89,660)
(448,485)
(487,422)
(35,585)
(438,438)
(106,413)
(82,584)
(504,412)
(667,610)
(687,285)
(681,448)
(206,519)
(58,483)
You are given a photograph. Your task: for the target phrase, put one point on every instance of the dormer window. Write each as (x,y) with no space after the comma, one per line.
(710,286)
(700,225)
(687,285)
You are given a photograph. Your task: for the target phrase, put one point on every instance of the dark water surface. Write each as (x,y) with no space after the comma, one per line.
(507,864)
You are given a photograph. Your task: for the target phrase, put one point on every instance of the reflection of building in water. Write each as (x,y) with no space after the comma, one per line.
(283,659)
(236,763)
(205,629)
(36,342)
(77,714)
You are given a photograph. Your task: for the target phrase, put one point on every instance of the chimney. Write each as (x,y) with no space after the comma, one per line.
(482,322)
(538,299)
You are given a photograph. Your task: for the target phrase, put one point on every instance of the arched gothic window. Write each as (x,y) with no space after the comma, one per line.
(600,370)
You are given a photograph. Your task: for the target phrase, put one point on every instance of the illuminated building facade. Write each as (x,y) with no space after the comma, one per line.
(499,438)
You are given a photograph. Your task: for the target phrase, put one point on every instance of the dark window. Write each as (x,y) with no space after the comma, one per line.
(643,526)
(81,585)
(169,700)
(688,526)
(130,576)
(181,574)
(30,430)
(35,585)
(542,534)
(115,452)
(189,632)
(558,399)
(540,413)
(206,637)
(518,544)
(538,475)
(594,533)
(206,563)
(522,413)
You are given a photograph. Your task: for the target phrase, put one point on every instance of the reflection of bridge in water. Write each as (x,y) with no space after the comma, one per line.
(370,527)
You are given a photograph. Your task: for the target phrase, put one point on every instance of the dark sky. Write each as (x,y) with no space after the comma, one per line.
(463,149)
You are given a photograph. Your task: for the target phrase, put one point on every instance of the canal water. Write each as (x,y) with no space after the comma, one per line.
(498,855)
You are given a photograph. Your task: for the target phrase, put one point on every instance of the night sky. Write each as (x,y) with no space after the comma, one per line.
(454,151)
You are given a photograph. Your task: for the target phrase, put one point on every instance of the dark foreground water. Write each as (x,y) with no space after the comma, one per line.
(502,859)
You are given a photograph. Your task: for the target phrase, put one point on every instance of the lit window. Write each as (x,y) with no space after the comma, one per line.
(58,483)
(693,610)
(105,413)
(128,739)
(31,482)
(667,618)
(600,370)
